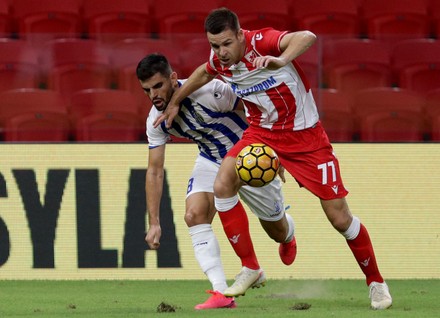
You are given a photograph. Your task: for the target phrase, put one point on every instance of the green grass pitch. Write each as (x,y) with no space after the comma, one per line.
(279,298)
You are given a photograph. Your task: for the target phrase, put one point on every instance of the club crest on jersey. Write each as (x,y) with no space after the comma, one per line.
(251,56)
(217,95)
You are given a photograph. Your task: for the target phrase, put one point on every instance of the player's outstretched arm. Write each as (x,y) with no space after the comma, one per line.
(292,45)
(196,80)
(153,188)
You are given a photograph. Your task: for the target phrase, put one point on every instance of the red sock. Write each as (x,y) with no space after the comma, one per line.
(362,249)
(236,226)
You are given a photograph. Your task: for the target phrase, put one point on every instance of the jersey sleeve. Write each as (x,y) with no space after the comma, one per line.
(156,136)
(270,41)
(217,95)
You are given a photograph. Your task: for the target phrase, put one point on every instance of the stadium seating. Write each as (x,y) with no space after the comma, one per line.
(337,18)
(336,114)
(37,126)
(43,20)
(416,64)
(353,64)
(434,14)
(5,19)
(19,65)
(432,113)
(28,101)
(184,19)
(108,127)
(389,115)
(194,53)
(311,63)
(71,65)
(395,20)
(92,111)
(114,20)
(261,14)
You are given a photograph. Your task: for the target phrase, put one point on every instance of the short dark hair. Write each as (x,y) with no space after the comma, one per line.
(220,20)
(152,64)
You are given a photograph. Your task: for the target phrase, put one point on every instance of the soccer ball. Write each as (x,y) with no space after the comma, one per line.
(257,165)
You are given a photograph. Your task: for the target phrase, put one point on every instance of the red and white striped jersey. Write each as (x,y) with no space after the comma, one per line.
(274,99)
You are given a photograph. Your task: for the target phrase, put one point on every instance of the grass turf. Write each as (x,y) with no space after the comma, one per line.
(328,298)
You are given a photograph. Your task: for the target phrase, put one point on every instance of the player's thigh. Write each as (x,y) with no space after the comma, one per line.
(266,202)
(227,182)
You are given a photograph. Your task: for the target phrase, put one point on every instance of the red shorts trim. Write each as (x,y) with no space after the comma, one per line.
(306,154)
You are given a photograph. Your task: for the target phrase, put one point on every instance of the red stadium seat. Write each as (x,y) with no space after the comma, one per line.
(37,126)
(261,14)
(114,20)
(395,20)
(353,64)
(193,54)
(417,64)
(389,115)
(5,19)
(19,66)
(93,110)
(183,19)
(432,113)
(336,114)
(434,13)
(311,63)
(91,101)
(44,20)
(338,18)
(108,126)
(71,65)
(28,100)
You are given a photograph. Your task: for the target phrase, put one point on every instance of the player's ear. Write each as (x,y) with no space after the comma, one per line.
(173,77)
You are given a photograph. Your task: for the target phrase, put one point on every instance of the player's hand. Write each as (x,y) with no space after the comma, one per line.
(269,62)
(281,171)
(153,237)
(168,115)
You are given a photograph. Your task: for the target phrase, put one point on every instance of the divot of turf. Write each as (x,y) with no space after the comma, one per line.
(164,307)
(301,306)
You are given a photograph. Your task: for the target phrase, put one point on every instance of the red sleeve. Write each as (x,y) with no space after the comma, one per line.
(270,42)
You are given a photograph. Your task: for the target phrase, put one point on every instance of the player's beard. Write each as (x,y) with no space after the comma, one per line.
(160,104)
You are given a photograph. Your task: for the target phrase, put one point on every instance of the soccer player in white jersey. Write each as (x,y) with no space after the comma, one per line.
(210,118)
(260,67)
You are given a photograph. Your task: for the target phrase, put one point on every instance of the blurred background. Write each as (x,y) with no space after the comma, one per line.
(67,68)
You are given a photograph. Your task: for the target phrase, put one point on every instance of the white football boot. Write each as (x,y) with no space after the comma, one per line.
(380,296)
(247,278)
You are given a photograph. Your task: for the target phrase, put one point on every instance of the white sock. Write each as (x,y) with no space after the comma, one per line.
(225,204)
(353,230)
(291,231)
(207,252)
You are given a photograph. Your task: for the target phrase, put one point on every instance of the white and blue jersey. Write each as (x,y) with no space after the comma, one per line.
(207,117)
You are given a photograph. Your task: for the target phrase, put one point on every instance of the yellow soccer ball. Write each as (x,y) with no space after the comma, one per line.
(257,165)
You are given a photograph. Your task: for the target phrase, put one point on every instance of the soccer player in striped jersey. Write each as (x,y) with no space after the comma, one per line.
(260,67)
(211,117)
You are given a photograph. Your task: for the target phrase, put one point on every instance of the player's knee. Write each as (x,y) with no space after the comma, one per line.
(193,217)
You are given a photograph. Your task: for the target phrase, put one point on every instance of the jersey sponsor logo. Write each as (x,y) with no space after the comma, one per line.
(217,95)
(262,86)
(234,239)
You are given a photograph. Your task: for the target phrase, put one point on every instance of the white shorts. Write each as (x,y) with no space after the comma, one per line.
(267,202)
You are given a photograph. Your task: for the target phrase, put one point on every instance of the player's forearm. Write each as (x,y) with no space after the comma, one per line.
(196,80)
(153,189)
(295,44)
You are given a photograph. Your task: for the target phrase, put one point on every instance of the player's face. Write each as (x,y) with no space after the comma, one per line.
(160,89)
(228,46)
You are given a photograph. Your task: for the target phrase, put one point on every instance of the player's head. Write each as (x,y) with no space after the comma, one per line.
(157,79)
(225,36)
